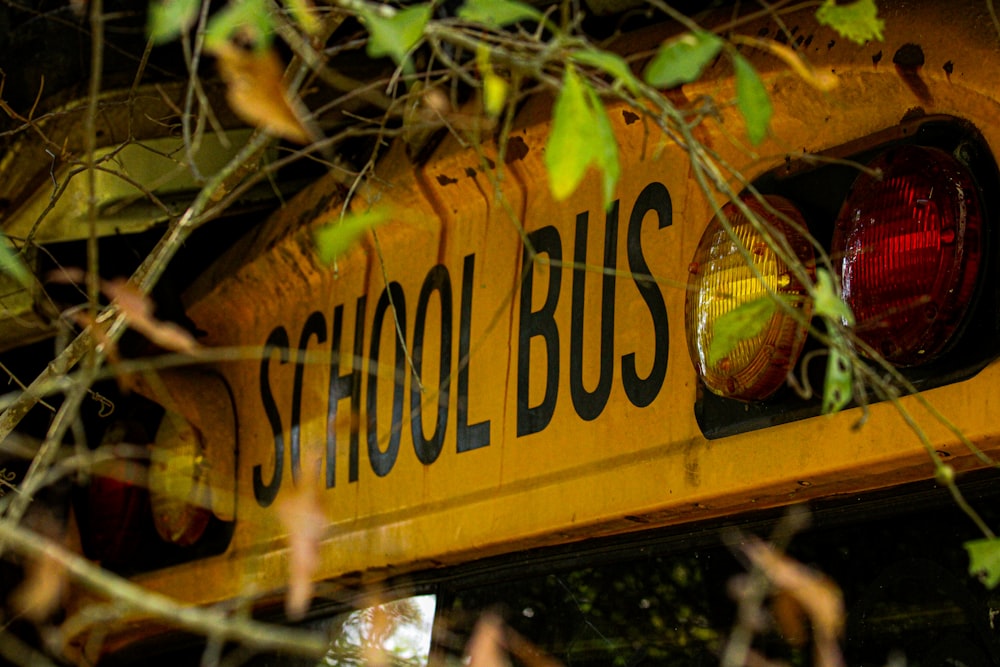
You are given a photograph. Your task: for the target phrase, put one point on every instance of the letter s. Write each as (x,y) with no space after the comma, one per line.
(266,493)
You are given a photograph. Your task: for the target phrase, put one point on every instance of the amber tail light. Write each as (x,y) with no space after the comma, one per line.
(721,280)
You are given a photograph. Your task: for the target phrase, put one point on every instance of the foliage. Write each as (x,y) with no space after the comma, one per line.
(507,50)
(11,264)
(336,238)
(395,35)
(682,59)
(838,386)
(984,560)
(579,113)
(497,13)
(858,20)
(738,324)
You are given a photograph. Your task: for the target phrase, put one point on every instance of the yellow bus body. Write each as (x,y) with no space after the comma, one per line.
(508,475)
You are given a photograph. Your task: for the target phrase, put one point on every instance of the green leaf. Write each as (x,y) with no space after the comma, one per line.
(581,136)
(857,21)
(495,87)
(396,35)
(497,13)
(751,99)
(305,15)
(169,18)
(739,324)
(567,153)
(838,386)
(250,18)
(605,148)
(610,63)
(827,302)
(495,91)
(11,264)
(682,59)
(984,560)
(336,238)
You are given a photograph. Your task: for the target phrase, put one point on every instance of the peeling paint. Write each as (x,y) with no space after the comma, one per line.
(909,60)
(517,149)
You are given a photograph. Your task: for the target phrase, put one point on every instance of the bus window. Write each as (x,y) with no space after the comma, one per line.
(668,599)
(397,632)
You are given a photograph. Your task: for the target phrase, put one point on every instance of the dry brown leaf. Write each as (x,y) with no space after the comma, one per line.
(492,641)
(302,515)
(138,311)
(486,646)
(39,595)
(790,618)
(256,92)
(820,80)
(815,593)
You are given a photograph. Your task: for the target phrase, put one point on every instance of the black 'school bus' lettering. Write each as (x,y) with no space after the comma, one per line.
(393,302)
(590,404)
(468,436)
(535,326)
(315,326)
(265,493)
(345,379)
(429,448)
(344,386)
(541,324)
(642,391)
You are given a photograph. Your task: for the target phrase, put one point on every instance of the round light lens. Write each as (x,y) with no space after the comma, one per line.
(908,249)
(721,280)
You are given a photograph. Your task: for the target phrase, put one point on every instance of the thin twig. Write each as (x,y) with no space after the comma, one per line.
(140,599)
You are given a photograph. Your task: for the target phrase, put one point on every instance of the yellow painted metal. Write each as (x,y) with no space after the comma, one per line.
(616,469)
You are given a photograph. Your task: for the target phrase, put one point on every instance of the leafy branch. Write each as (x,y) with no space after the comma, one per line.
(502,50)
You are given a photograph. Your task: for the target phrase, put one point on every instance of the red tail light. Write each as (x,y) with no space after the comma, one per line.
(908,248)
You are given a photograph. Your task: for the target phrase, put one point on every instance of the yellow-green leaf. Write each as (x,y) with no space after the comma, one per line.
(605,148)
(169,18)
(497,13)
(984,560)
(494,94)
(304,13)
(739,324)
(827,302)
(249,18)
(581,137)
(751,99)
(336,238)
(857,21)
(682,59)
(12,265)
(495,88)
(395,35)
(610,63)
(838,386)
(568,152)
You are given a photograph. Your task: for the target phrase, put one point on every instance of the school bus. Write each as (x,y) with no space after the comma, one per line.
(506,403)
